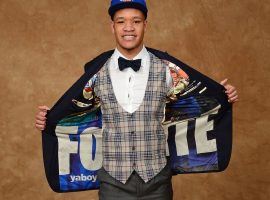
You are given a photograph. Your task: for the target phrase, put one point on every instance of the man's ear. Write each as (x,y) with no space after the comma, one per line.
(145,25)
(112,26)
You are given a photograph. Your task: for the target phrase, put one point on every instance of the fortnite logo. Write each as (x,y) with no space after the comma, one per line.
(89,148)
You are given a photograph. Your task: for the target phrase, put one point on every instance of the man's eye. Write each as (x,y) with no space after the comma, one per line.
(120,22)
(137,22)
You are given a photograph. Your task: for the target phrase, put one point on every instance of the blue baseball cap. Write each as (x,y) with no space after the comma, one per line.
(121,4)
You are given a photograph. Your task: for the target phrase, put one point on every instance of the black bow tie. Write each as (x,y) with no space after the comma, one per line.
(124,63)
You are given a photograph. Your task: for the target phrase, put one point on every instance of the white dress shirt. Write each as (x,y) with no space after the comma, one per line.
(129,86)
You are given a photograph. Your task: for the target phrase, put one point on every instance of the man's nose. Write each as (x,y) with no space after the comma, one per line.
(129,27)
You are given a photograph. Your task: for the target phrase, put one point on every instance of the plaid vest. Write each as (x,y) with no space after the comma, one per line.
(134,141)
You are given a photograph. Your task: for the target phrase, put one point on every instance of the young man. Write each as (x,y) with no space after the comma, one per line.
(134,162)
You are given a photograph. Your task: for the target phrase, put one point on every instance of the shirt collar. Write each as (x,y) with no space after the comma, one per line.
(143,54)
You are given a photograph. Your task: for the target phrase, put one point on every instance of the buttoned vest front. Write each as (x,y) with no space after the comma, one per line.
(134,141)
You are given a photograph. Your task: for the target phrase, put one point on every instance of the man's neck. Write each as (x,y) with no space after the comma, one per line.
(130,54)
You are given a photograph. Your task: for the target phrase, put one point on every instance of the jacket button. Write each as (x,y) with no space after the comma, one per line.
(133,148)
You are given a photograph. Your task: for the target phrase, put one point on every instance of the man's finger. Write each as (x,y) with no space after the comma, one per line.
(232,94)
(43,108)
(223,82)
(40,122)
(44,113)
(40,117)
(234,99)
(230,89)
(40,127)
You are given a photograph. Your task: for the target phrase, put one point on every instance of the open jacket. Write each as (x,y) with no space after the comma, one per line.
(198,126)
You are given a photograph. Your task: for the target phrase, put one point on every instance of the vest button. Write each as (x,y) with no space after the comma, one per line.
(132,132)
(134,164)
(133,148)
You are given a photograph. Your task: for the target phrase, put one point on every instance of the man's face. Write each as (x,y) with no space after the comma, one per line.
(128,27)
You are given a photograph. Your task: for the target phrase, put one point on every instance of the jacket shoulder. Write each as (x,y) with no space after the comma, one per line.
(98,61)
(158,53)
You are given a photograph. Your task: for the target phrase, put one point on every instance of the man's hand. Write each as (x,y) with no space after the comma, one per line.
(230,91)
(41,117)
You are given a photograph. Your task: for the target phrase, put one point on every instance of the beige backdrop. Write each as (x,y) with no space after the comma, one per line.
(45,43)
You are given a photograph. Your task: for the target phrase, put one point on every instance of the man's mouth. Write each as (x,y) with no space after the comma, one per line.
(129,37)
